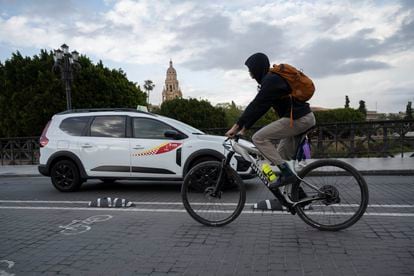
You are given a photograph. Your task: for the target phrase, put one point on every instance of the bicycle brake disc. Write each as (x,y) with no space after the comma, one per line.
(331,195)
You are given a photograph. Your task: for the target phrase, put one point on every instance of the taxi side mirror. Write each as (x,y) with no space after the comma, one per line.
(174,134)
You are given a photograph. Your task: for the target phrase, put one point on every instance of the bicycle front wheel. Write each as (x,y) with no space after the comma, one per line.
(203,203)
(343,195)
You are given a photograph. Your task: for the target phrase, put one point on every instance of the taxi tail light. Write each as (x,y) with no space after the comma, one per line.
(43,139)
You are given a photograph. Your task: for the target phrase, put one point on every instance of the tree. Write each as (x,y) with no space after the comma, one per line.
(339,115)
(148,87)
(30,93)
(346,102)
(393,117)
(200,114)
(408,112)
(232,112)
(362,108)
(267,118)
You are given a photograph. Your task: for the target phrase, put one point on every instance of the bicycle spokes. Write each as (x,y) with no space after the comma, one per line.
(341,197)
(210,201)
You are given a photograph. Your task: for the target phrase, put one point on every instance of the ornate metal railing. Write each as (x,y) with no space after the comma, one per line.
(365,139)
(362,139)
(19,150)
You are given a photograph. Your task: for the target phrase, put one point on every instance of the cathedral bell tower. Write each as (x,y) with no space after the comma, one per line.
(171,89)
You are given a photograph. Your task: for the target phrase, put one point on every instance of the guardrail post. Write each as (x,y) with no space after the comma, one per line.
(385,141)
(402,140)
(352,142)
(12,154)
(1,152)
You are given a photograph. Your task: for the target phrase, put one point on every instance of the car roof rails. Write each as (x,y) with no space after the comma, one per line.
(85,110)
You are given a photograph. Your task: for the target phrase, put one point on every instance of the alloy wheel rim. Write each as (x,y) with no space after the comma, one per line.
(64,175)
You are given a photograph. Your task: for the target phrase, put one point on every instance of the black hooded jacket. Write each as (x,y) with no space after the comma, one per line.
(273,92)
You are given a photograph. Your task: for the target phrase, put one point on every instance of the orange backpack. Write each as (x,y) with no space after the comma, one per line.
(301,85)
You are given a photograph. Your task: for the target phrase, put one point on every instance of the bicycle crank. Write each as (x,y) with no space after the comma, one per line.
(210,193)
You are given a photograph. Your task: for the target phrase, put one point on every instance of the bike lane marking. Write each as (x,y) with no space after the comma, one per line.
(387,214)
(9,264)
(81,226)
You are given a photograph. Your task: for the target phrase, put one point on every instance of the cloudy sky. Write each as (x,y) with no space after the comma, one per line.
(363,49)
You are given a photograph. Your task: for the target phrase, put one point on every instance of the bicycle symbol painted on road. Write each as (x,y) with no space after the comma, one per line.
(82,226)
(9,264)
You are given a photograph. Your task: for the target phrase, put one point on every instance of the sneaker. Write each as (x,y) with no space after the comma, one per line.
(287,176)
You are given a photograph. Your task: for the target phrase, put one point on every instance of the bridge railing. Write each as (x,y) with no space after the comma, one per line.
(362,139)
(19,150)
(359,139)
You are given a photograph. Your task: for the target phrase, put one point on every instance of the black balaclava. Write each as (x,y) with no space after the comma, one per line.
(258,65)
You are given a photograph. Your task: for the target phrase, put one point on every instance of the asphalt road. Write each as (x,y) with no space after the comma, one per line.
(158,237)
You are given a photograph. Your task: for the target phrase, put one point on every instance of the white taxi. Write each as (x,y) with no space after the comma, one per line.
(112,144)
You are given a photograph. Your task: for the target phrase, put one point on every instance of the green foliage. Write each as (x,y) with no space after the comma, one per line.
(339,115)
(362,108)
(148,87)
(393,117)
(270,116)
(346,102)
(200,114)
(382,117)
(30,93)
(408,112)
(232,112)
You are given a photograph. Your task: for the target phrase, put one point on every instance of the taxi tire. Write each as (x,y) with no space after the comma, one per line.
(65,176)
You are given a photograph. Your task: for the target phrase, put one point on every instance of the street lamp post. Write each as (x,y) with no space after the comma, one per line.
(66,62)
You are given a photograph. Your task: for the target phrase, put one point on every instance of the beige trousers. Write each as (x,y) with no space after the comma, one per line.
(281,130)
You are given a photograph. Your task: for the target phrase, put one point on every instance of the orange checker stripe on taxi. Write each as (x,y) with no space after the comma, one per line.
(163,148)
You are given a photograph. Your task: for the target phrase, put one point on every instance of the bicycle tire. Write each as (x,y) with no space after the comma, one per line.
(343,170)
(197,182)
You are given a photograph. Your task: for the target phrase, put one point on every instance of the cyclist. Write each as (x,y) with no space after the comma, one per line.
(273,91)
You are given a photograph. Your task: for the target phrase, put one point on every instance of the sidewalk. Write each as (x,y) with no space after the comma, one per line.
(367,166)
(19,170)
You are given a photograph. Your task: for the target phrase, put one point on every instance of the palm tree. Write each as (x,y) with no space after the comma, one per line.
(148,87)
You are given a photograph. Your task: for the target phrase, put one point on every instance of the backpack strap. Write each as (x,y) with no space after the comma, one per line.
(291,110)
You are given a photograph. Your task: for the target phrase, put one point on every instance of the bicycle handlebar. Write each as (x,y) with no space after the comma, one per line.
(235,137)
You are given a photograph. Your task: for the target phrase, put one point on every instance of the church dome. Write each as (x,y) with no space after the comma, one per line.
(171,69)
(172,88)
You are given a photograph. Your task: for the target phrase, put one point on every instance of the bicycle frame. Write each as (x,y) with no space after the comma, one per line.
(233,146)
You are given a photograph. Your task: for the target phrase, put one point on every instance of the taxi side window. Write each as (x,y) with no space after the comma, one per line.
(108,126)
(74,126)
(146,128)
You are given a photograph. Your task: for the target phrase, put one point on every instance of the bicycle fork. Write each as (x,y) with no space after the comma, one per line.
(224,163)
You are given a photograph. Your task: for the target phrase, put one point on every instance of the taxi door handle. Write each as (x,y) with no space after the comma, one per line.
(86,146)
(138,147)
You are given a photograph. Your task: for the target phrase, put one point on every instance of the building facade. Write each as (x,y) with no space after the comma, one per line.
(171,88)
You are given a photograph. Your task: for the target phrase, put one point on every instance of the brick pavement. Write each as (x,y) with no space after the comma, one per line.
(134,243)
(161,243)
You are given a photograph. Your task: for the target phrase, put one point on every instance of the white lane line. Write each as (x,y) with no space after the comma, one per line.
(196,203)
(43,201)
(203,211)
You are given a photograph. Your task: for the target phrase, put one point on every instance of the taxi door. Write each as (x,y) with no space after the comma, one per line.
(153,155)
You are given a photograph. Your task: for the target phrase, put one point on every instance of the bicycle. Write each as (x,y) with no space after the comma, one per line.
(329,194)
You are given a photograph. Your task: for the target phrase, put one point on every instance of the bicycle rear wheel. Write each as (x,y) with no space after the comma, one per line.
(205,206)
(344,189)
